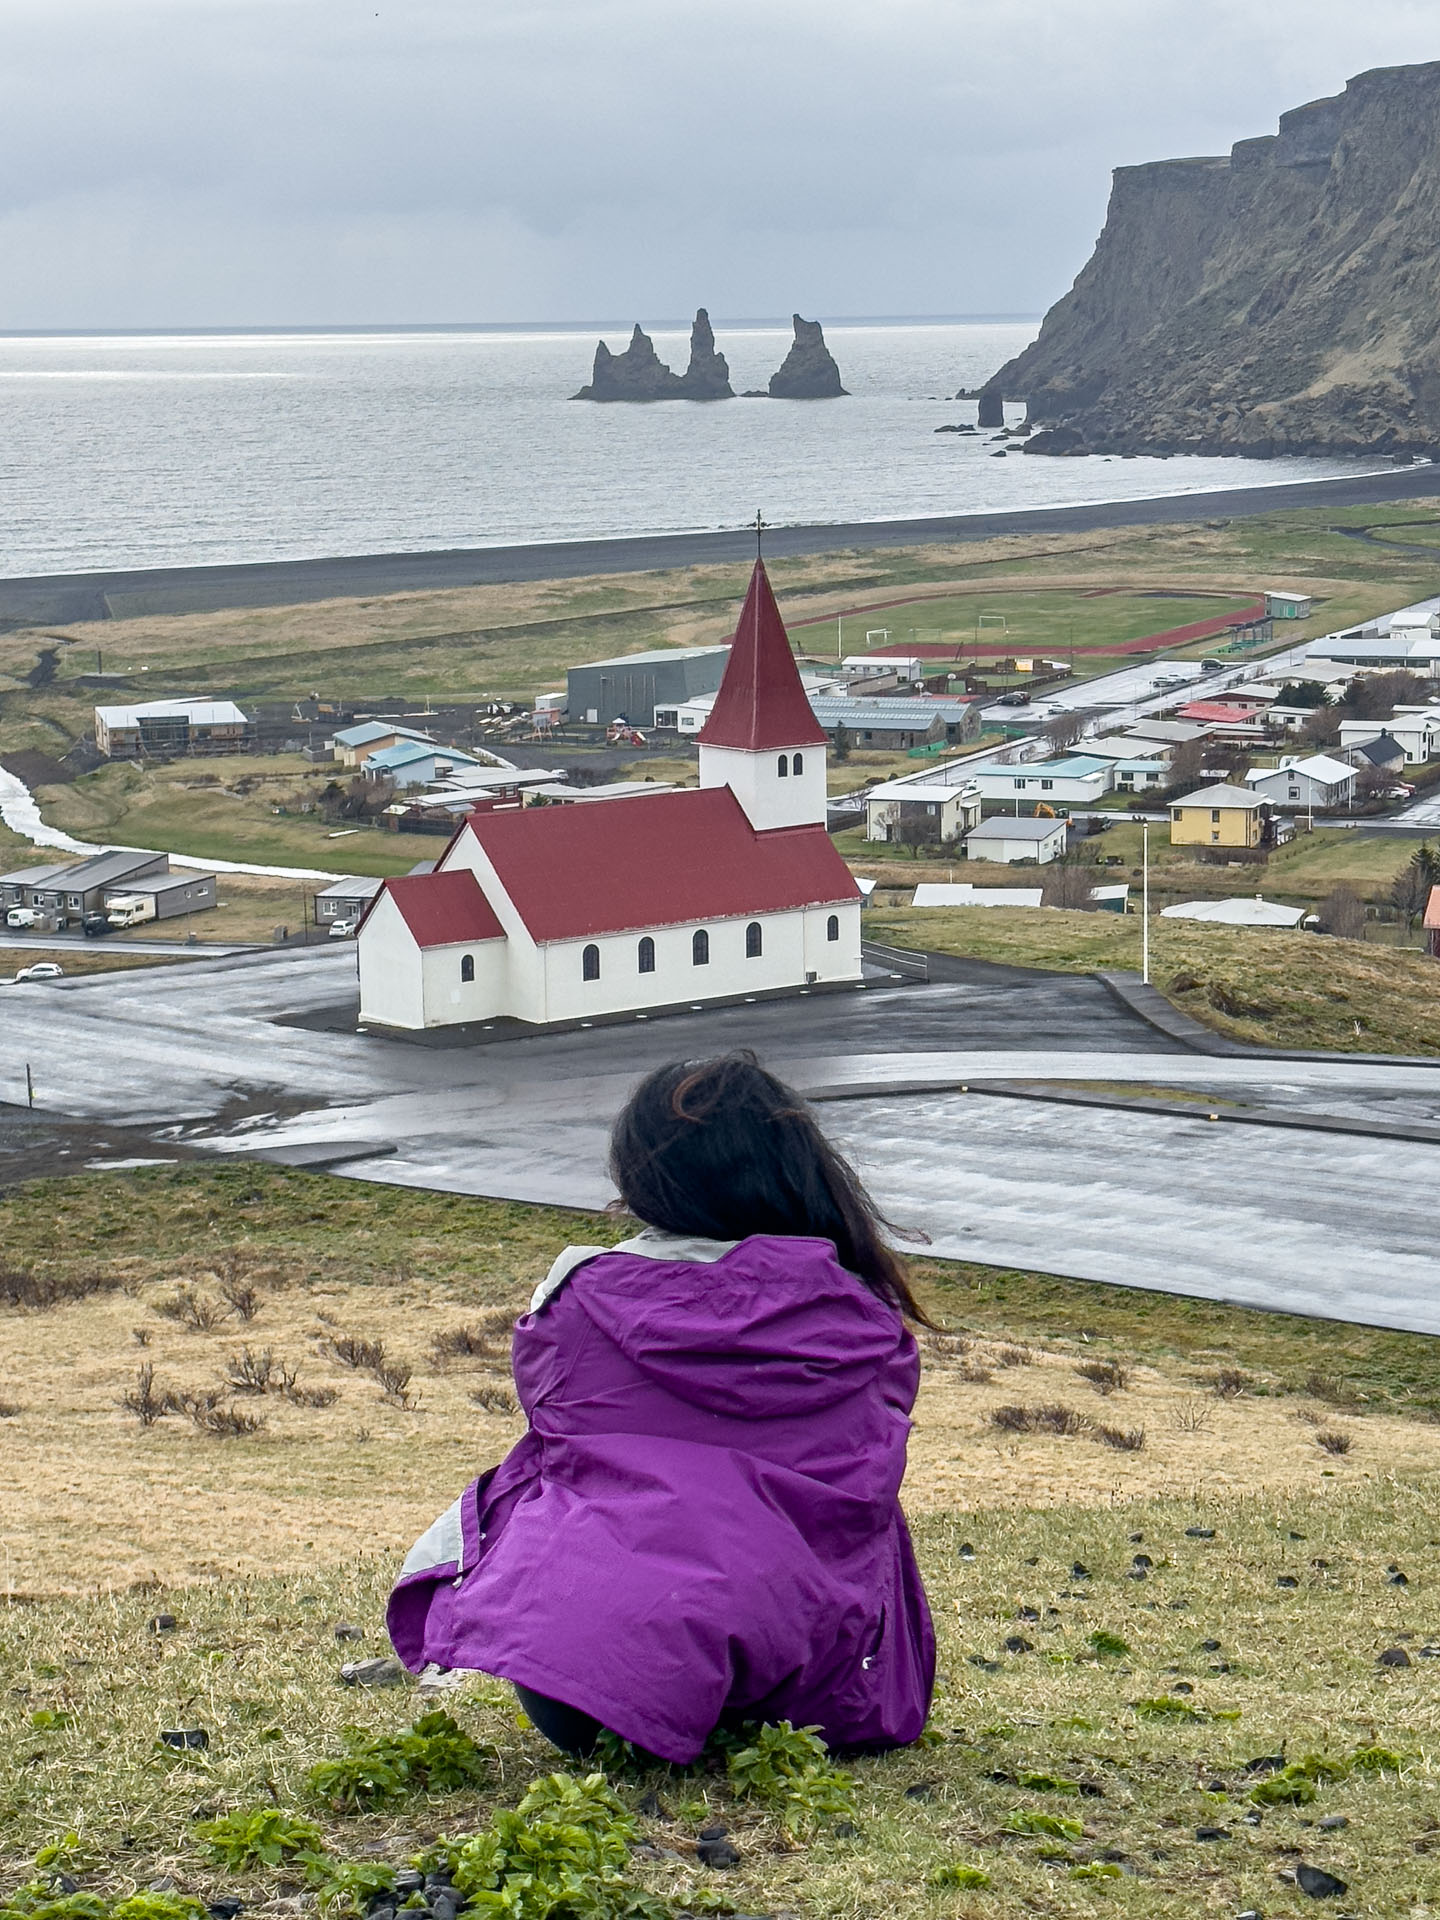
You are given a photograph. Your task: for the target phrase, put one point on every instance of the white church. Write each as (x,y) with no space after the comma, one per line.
(558,913)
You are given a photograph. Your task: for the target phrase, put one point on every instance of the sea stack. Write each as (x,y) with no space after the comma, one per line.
(1291,294)
(809,372)
(636,374)
(708,376)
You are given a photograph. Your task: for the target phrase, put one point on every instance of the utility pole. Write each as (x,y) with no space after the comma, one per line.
(839,636)
(29,1087)
(1145,903)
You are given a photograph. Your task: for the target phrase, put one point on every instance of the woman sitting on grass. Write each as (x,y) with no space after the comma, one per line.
(702,1522)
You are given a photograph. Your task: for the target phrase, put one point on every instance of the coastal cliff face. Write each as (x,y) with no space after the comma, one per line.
(1283,299)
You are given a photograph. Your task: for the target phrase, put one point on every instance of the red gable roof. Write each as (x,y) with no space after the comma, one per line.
(1432,911)
(443,909)
(761,703)
(657,860)
(1216,713)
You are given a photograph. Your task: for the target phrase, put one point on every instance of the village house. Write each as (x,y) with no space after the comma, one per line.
(1221,816)
(1076,779)
(1007,839)
(938,804)
(1415,729)
(1383,754)
(1316,782)
(897,723)
(567,913)
(353,746)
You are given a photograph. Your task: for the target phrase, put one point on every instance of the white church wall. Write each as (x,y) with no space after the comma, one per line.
(831,959)
(524,993)
(785,941)
(796,800)
(391,991)
(450,998)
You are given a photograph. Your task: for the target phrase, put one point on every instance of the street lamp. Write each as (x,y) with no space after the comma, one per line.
(1145,902)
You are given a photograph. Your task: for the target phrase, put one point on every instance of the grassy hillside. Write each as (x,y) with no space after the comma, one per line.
(1093,1712)
(1273,989)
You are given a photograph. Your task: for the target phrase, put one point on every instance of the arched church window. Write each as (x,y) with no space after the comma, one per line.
(590,963)
(783,767)
(646,961)
(700,949)
(797,763)
(467,966)
(832,927)
(754,940)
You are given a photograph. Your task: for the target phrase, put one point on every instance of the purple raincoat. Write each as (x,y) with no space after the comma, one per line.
(704,1515)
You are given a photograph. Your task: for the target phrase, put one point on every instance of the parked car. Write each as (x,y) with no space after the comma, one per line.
(95,924)
(342,929)
(42,970)
(22,917)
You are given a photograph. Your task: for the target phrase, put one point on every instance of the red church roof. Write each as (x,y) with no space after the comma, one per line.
(761,703)
(441,909)
(657,860)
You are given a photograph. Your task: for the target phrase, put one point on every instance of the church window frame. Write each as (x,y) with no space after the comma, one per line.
(590,962)
(645,956)
(782,767)
(797,763)
(754,940)
(700,948)
(832,927)
(467,968)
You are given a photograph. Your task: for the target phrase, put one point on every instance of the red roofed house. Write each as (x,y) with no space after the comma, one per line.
(1432,924)
(555,913)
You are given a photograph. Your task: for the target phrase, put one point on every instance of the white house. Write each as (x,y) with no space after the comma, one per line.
(1416,729)
(566,913)
(939,804)
(1316,782)
(1075,779)
(416,763)
(1002,838)
(964,893)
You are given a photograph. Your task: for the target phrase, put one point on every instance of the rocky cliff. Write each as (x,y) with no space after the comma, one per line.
(808,371)
(1282,299)
(640,374)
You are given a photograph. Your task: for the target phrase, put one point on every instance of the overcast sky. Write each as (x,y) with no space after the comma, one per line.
(234,162)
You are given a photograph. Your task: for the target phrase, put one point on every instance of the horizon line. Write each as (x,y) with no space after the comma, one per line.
(505,326)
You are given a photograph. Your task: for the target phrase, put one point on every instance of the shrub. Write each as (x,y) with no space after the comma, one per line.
(494,1400)
(252,1372)
(142,1399)
(1123,1439)
(262,1837)
(432,1755)
(1106,1376)
(1333,1441)
(194,1310)
(351,1351)
(31,1292)
(1229,1383)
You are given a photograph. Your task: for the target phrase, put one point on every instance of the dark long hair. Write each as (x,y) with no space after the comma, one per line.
(722,1149)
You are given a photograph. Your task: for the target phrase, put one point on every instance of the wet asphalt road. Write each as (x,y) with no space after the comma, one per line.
(201,1056)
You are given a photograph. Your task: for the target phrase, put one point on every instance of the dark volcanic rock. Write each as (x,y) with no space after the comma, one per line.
(1281,299)
(636,374)
(808,371)
(992,410)
(708,376)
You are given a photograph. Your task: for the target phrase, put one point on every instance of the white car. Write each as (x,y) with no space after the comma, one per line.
(342,929)
(42,970)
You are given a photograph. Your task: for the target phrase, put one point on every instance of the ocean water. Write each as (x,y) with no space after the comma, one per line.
(171,449)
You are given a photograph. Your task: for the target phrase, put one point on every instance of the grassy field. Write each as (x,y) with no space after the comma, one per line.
(1117,1721)
(91,958)
(227,811)
(510,641)
(1273,989)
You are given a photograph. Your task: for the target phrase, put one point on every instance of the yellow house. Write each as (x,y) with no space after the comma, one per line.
(1218,817)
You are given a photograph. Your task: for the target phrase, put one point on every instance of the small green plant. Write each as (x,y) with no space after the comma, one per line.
(1046,1782)
(1165,1706)
(958,1875)
(39,1900)
(1096,1870)
(263,1837)
(66,1854)
(50,1720)
(434,1755)
(1054,1826)
(1108,1645)
(564,1850)
(158,1906)
(789,1768)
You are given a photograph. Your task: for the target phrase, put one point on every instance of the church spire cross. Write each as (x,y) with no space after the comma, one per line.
(761,704)
(760,525)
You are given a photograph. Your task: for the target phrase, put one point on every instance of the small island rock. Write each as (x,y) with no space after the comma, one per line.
(708,375)
(636,374)
(809,372)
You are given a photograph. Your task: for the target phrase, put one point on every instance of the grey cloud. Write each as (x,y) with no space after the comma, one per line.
(493,159)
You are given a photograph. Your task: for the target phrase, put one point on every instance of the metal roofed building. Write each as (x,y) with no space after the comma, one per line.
(344,899)
(1236,913)
(898,722)
(1006,839)
(633,685)
(1317,781)
(16,888)
(82,887)
(356,744)
(1075,777)
(164,727)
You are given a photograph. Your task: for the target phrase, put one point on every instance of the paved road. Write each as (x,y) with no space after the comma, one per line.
(53,598)
(1316,1221)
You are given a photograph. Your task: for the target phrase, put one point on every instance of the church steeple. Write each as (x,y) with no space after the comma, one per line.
(762,738)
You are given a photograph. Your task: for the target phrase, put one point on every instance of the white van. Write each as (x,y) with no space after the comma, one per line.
(22,917)
(129,909)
